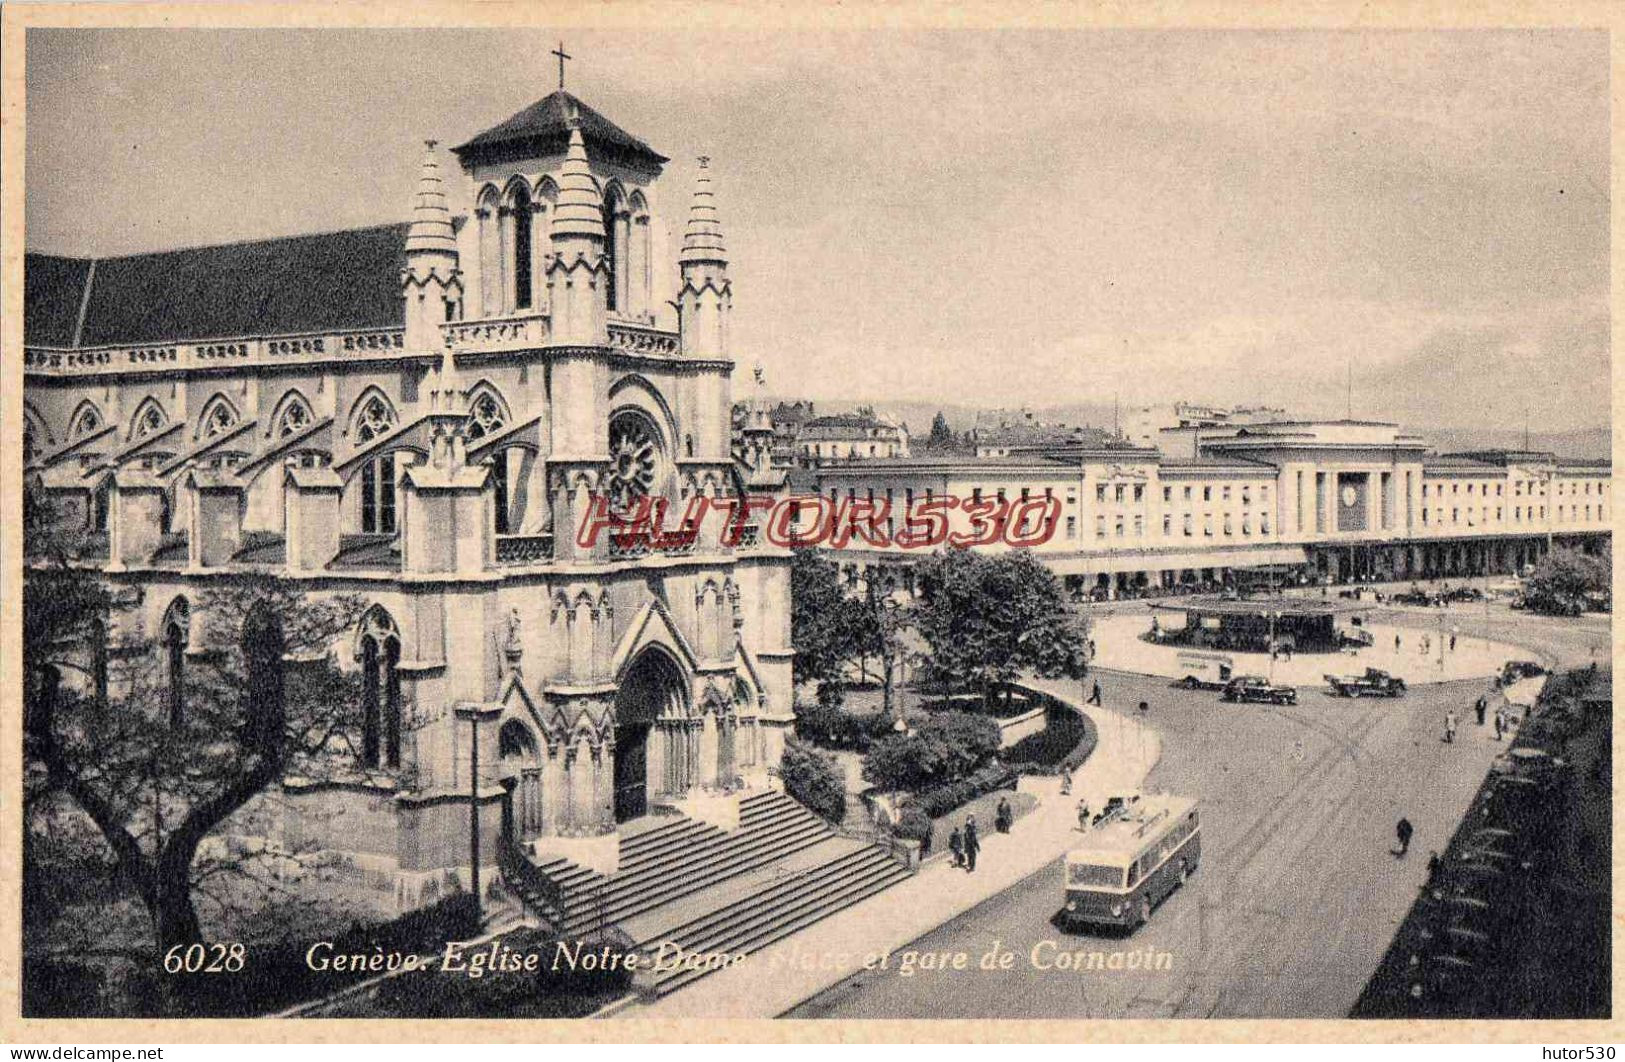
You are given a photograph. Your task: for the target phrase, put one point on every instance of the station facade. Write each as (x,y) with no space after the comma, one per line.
(1333,500)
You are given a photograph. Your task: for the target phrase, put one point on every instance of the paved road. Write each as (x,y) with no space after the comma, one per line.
(1297,896)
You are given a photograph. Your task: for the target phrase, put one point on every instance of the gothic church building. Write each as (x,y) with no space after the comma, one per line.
(421,414)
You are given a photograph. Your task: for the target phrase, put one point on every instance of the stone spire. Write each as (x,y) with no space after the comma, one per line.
(702,239)
(706,295)
(578,214)
(431,283)
(431,231)
(577,275)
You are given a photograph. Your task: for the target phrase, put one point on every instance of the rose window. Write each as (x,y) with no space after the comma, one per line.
(295,418)
(148,421)
(375,419)
(218,419)
(485,417)
(634,461)
(89,420)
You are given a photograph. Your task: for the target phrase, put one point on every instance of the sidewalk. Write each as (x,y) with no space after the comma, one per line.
(771,981)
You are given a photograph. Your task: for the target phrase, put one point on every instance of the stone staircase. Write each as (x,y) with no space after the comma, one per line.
(688,885)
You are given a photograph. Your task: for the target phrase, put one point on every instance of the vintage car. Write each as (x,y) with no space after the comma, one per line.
(1513,670)
(1254,689)
(1374,683)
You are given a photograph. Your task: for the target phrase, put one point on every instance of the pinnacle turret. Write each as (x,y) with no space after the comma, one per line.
(431,229)
(702,238)
(431,281)
(579,211)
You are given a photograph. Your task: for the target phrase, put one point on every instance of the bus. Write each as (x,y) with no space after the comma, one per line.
(1204,670)
(1135,853)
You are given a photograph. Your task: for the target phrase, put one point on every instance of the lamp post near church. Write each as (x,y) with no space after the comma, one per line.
(474,809)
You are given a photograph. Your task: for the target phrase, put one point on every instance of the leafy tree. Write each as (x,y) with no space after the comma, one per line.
(834,631)
(818,631)
(815,779)
(157,775)
(987,618)
(1564,579)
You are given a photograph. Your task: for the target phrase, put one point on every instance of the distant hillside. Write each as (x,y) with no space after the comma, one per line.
(1587,443)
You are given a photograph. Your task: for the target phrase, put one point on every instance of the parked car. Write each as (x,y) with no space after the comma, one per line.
(1513,670)
(1254,689)
(1374,683)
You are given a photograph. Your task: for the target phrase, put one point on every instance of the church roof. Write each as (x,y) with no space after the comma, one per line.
(543,128)
(330,281)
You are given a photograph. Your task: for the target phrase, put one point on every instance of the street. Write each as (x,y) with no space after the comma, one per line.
(1298,894)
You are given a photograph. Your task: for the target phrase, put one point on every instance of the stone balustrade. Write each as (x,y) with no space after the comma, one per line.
(214,353)
(493,335)
(496,333)
(630,338)
(524,549)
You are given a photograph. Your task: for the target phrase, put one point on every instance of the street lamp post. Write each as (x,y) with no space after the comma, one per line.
(474,808)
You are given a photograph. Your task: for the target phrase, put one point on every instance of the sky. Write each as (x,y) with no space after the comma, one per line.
(981,217)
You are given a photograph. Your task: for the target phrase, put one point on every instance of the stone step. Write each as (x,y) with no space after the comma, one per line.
(713,844)
(663,885)
(780,911)
(698,926)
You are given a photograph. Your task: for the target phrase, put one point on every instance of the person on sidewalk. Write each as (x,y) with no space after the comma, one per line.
(1500,723)
(1403,831)
(1066,781)
(972,844)
(1094,695)
(1450,727)
(956,845)
(1482,707)
(1396,643)
(1083,816)
(1003,817)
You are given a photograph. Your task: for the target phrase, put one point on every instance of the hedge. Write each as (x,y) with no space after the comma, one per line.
(938,802)
(1067,740)
(835,728)
(814,779)
(943,748)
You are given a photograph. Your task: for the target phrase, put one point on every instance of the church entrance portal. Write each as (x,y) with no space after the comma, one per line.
(652,694)
(631,771)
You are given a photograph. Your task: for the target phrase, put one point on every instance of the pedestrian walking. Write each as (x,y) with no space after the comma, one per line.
(1094,694)
(1435,864)
(1500,723)
(1396,643)
(1403,831)
(1482,707)
(1450,727)
(1003,817)
(1083,816)
(956,845)
(1452,641)
(1066,781)
(972,844)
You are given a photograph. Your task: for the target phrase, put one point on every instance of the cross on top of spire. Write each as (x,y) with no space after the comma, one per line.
(563,55)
